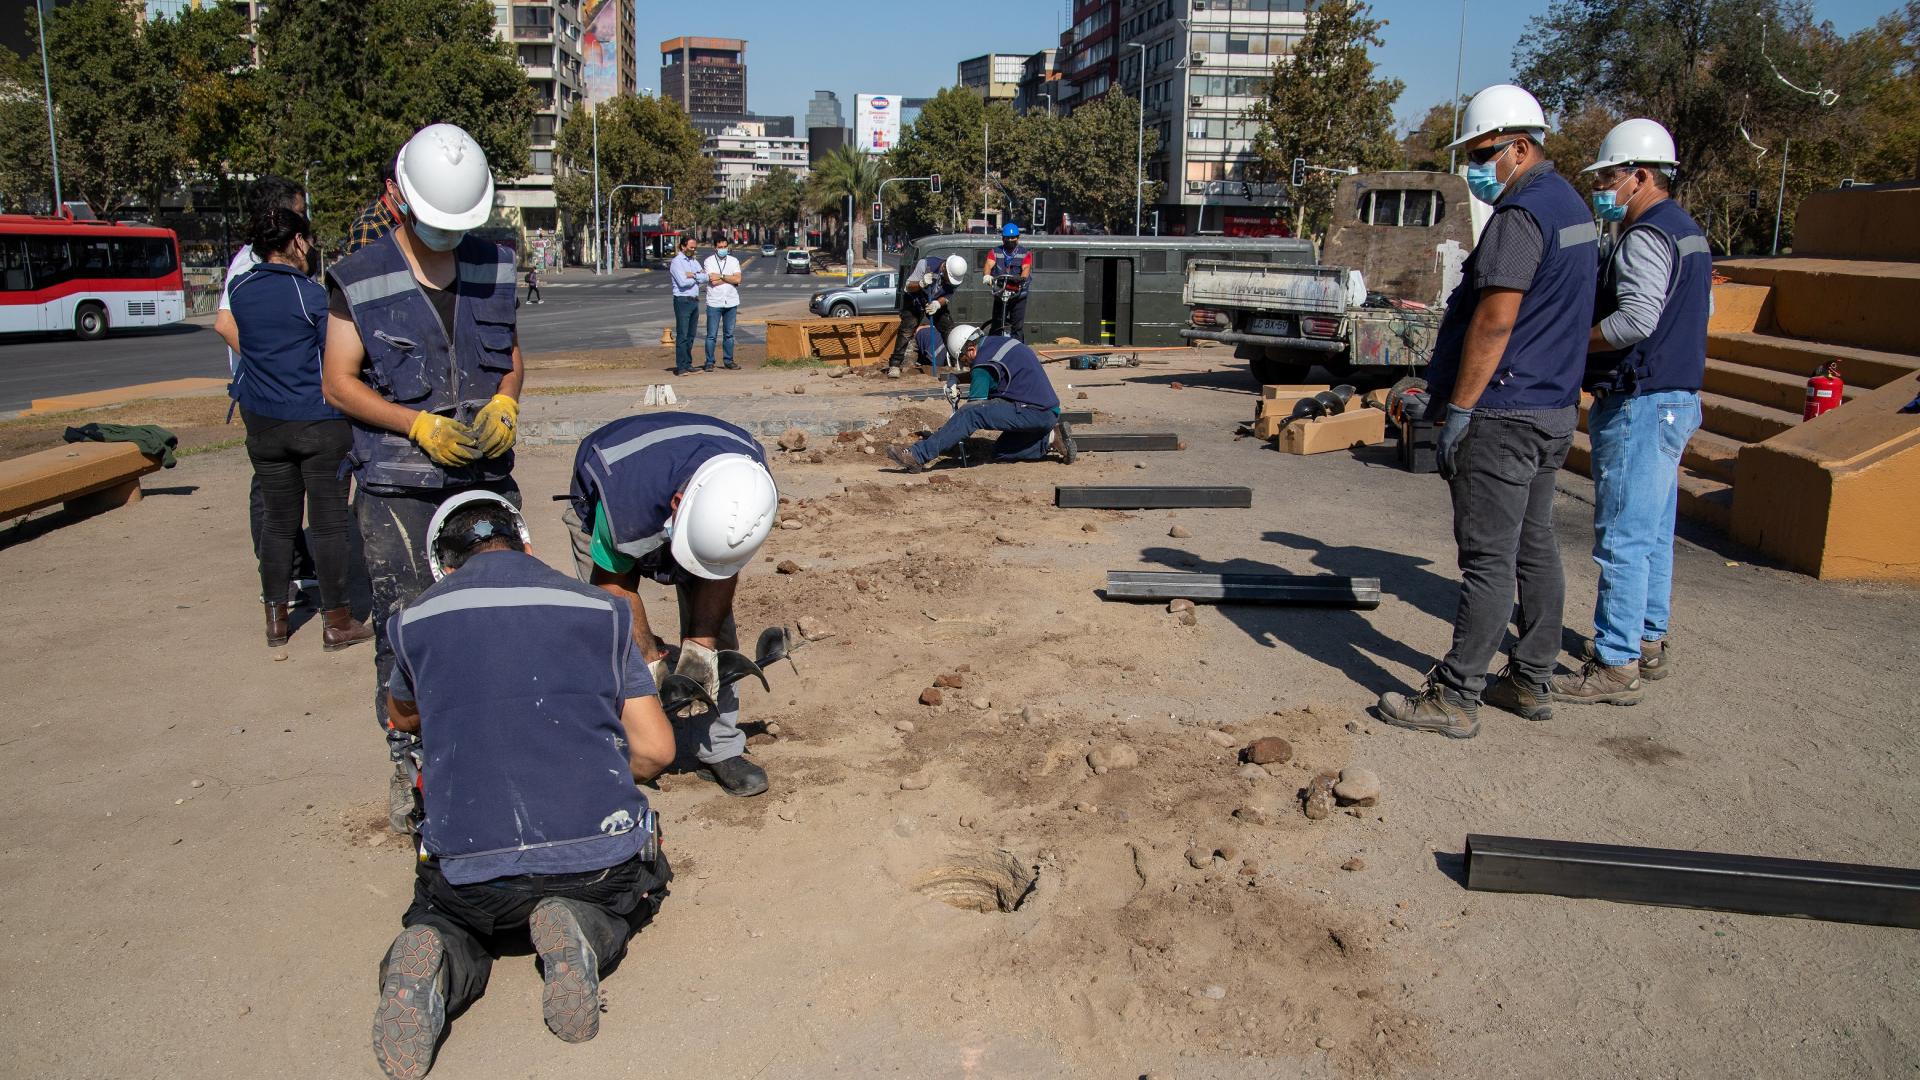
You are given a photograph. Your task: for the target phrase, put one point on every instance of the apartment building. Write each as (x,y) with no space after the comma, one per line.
(995,76)
(546,39)
(1039,83)
(1087,56)
(747,153)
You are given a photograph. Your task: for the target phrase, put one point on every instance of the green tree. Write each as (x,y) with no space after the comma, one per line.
(1425,147)
(347,84)
(218,118)
(1091,161)
(846,172)
(773,203)
(643,140)
(1324,104)
(948,140)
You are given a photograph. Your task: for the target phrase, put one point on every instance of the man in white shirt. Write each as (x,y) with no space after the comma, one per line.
(267,193)
(723,299)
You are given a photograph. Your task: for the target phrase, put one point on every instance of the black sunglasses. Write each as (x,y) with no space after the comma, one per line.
(1488,153)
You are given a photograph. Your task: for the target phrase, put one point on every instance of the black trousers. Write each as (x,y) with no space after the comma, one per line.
(257,523)
(1009,318)
(297,466)
(474,921)
(910,323)
(1503,528)
(393,534)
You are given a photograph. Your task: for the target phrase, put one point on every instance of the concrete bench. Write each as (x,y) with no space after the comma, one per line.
(88,477)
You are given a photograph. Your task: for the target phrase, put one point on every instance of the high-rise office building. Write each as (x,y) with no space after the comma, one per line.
(747,153)
(995,76)
(707,76)
(824,111)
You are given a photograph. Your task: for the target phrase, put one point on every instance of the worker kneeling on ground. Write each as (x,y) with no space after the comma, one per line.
(927,294)
(686,500)
(536,716)
(1009,393)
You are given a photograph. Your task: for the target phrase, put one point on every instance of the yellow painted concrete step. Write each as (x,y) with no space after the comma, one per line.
(1761,386)
(1744,421)
(1859,367)
(1865,303)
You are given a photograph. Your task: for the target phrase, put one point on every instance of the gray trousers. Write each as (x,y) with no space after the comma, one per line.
(714,736)
(1503,528)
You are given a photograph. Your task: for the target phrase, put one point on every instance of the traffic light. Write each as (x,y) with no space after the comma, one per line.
(1753,198)
(1039,213)
(936,183)
(876,210)
(1299,171)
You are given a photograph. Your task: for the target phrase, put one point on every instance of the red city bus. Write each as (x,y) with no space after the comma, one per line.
(59,273)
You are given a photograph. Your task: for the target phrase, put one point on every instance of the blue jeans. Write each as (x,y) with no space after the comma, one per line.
(1024,431)
(1637,443)
(720,319)
(686,323)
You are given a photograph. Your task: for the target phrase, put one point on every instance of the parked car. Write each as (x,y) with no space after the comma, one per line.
(870,294)
(768,251)
(799,262)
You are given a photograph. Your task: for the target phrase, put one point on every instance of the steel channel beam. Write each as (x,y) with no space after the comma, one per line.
(1127,441)
(1152,498)
(1756,885)
(1326,589)
(1077,417)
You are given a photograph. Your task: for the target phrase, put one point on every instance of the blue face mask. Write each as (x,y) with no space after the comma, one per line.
(1484,183)
(1605,206)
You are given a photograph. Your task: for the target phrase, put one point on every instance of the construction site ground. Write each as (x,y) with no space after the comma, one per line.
(196,878)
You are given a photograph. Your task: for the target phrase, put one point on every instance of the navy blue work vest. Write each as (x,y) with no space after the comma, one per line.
(1674,356)
(939,290)
(1009,262)
(635,466)
(518,671)
(411,362)
(1547,353)
(1017,374)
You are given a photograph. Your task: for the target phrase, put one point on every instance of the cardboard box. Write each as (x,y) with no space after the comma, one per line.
(1280,400)
(1356,425)
(1278,390)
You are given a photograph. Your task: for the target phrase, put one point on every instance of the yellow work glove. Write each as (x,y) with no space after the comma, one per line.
(446,440)
(493,427)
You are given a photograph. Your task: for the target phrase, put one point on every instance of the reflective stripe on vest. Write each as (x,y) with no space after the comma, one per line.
(509,596)
(613,455)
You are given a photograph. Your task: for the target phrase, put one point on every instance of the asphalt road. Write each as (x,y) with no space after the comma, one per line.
(579,312)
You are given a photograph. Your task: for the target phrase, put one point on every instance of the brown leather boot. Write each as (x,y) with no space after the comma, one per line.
(341,631)
(278,630)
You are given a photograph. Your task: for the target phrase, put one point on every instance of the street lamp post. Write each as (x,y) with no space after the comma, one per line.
(46,85)
(1459,58)
(306,192)
(599,231)
(1049,98)
(1140,140)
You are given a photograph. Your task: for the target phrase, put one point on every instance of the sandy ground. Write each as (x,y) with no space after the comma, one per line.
(193,880)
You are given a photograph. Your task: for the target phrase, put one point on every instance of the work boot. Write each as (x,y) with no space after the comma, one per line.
(413,1003)
(1600,683)
(1656,658)
(736,776)
(903,457)
(279,629)
(341,631)
(400,799)
(571,998)
(1063,442)
(893,371)
(1436,708)
(1524,698)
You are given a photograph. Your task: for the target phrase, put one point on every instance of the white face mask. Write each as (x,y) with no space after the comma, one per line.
(437,239)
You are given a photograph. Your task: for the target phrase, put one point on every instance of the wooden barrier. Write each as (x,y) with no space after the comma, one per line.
(858,342)
(87,477)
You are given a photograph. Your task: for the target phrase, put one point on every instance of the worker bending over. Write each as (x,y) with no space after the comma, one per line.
(1008,393)
(927,295)
(536,717)
(686,500)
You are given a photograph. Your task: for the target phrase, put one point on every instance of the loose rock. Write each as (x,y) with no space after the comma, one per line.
(1354,864)
(1251,772)
(793,439)
(1323,1043)
(983,704)
(930,696)
(198,784)
(917,782)
(1319,801)
(1178,606)
(1187,618)
(1081,396)
(792,523)
(1268,751)
(866,449)
(952,681)
(813,629)
(788,566)
(818,457)
(279,655)
(1004,537)
(1221,739)
(1199,858)
(1210,993)
(1089,527)
(1252,815)
(1357,787)
(1179,532)
(1113,756)
(904,727)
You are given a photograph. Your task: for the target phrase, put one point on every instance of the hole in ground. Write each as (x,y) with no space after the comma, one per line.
(984,881)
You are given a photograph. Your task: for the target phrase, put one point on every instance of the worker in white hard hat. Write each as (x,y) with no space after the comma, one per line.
(927,294)
(1647,359)
(423,357)
(1505,375)
(686,500)
(1008,392)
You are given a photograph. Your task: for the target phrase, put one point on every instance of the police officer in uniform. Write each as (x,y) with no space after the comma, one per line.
(537,717)
(1009,273)
(927,294)
(423,356)
(686,500)
(1008,392)
(1648,358)
(1507,365)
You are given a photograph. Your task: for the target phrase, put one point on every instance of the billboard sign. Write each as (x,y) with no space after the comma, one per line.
(600,49)
(877,122)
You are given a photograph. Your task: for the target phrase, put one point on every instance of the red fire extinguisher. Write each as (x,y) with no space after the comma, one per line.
(1824,391)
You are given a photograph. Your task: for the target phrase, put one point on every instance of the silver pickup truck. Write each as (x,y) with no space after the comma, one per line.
(1371,312)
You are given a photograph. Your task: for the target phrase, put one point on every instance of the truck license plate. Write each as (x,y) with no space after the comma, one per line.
(1276,327)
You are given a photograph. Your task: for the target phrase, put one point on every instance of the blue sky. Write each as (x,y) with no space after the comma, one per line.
(795,47)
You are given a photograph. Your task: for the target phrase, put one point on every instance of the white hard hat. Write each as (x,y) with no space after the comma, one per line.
(1635,142)
(958,340)
(956,269)
(443,174)
(726,511)
(1502,107)
(439,547)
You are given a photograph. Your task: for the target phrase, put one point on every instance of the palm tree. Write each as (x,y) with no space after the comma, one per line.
(846,171)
